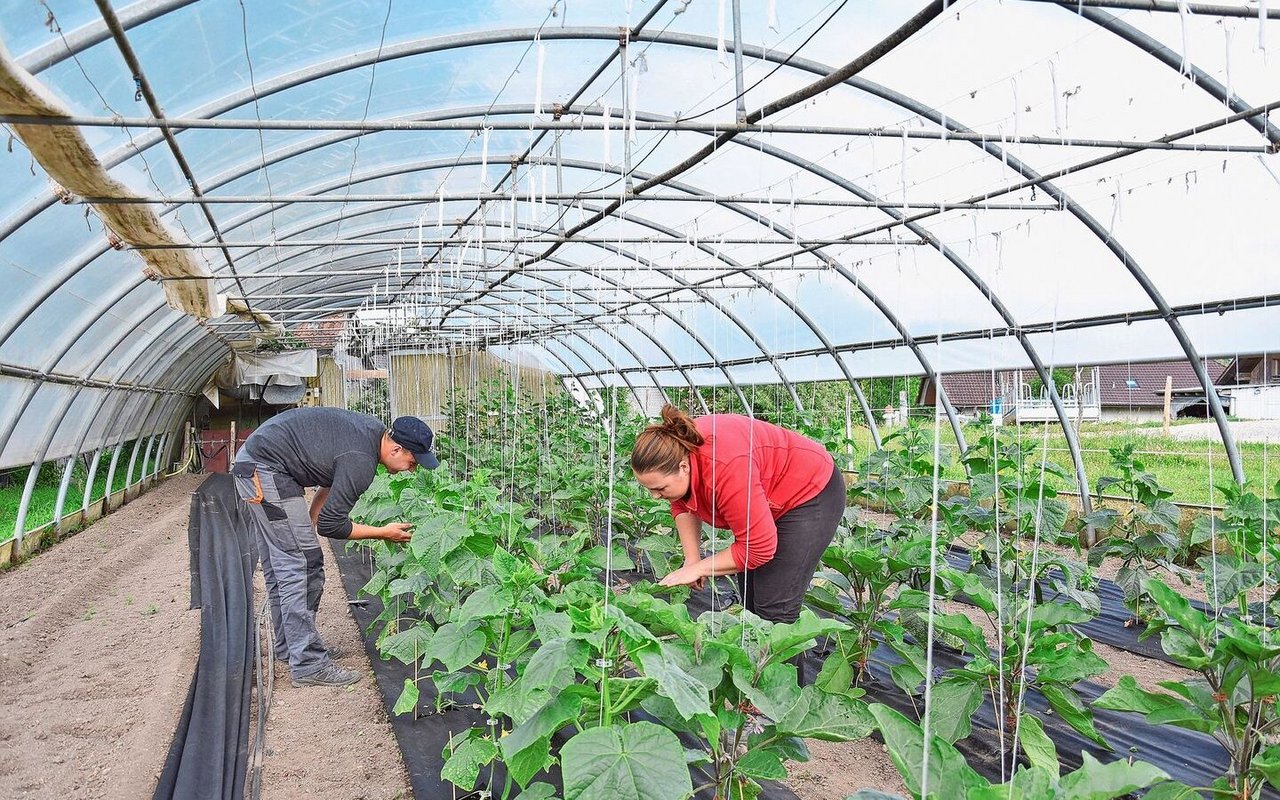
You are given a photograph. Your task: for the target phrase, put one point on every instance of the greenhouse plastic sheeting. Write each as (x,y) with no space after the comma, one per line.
(980,191)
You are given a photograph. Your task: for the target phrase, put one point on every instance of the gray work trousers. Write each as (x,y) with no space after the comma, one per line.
(292,563)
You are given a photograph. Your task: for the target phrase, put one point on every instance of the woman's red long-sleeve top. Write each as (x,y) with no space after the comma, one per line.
(746,475)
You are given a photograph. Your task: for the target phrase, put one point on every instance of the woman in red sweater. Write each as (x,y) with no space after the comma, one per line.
(780,494)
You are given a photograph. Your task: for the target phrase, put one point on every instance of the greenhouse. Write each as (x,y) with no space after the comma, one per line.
(824,399)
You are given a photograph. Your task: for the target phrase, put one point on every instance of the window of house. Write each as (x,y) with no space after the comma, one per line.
(1131,383)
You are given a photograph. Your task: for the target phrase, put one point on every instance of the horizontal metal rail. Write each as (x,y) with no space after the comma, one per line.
(475,243)
(583,124)
(1172,6)
(26,373)
(495,197)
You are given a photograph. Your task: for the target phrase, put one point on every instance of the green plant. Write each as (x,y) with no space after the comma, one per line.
(948,776)
(863,570)
(1236,654)
(1031,600)
(513,609)
(1143,535)
(899,475)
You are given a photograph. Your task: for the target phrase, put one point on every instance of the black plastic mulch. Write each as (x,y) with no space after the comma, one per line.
(423,739)
(208,755)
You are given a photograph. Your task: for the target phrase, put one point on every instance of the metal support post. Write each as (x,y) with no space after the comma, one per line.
(19,525)
(741,113)
(62,491)
(133,460)
(111,476)
(88,481)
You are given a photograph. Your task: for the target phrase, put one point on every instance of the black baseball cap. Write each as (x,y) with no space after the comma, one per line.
(415,436)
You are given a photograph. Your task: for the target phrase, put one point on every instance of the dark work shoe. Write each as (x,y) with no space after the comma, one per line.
(332,675)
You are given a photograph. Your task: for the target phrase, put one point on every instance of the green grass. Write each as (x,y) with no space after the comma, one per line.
(44,495)
(1191,469)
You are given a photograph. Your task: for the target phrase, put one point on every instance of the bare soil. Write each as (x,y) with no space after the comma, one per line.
(332,743)
(97,651)
(838,769)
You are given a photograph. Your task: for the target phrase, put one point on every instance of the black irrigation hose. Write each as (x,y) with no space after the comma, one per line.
(264,681)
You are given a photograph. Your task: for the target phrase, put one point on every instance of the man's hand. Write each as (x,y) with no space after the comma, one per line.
(399,532)
(688,575)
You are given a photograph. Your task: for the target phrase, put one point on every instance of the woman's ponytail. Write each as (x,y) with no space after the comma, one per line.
(663,446)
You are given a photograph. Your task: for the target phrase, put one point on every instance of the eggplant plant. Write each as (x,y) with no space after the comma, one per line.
(863,571)
(1143,535)
(1233,648)
(1030,599)
(899,476)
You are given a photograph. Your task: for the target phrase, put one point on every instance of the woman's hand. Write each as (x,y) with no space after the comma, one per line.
(688,575)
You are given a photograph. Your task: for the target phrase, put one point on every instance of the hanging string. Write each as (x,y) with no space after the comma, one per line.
(933,572)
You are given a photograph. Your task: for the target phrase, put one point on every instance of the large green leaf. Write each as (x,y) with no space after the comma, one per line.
(951,708)
(1096,781)
(639,761)
(554,664)
(485,602)
(787,639)
(1267,763)
(963,628)
(1179,609)
(1037,745)
(808,712)
(455,645)
(376,583)
(1027,784)
(690,696)
(435,537)
(527,749)
(762,765)
(463,765)
(408,645)
(1226,577)
(1066,704)
(538,791)
(1127,695)
(658,615)
(411,584)
(1071,664)
(516,701)
(599,558)
(949,776)
(1048,615)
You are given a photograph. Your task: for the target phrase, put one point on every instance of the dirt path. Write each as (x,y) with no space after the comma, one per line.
(97,650)
(332,743)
